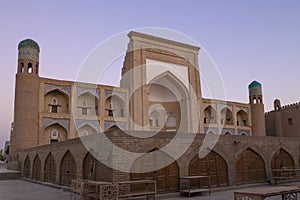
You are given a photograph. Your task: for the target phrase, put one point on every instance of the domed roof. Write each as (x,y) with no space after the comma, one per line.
(29,43)
(254,84)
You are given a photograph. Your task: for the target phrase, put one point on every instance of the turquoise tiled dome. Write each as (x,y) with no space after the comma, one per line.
(29,43)
(254,84)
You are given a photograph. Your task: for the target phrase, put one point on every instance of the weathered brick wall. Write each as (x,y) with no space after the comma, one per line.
(229,147)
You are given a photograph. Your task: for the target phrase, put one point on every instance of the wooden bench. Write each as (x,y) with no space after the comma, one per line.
(285,174)
(286,192)
(149,189)
(190,190)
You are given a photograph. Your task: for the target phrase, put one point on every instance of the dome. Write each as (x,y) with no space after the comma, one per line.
(254,84)
(29,43)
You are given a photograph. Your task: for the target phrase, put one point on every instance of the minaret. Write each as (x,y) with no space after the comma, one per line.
(25,131)
(257,109)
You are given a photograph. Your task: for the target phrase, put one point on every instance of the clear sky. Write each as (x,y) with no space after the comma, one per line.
(247,40)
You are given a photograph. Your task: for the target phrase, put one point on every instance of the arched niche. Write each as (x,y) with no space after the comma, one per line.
(86,130)
(114,106)
(56,101)
(242,118)
(226,117)
(87,104)
(48,134)
(209,115)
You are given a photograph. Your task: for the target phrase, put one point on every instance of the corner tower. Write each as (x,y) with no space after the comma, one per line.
(25,131)
(257,109)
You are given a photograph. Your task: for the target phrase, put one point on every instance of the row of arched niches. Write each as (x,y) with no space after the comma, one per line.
(250,167)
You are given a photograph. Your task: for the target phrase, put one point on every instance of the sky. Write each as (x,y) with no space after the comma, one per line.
(246,40)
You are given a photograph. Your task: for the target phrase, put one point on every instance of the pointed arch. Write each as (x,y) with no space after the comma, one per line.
(282,159)
(27,167)
(67,169)
(250,168)
(114,106)
(50,169)
(226,116)
(209,115)
(61,104)
(87,104)
(86,128)
(113,127)
(167,178)
(212,165)
(242,118)
(93,169)
(60,131)
(36,168)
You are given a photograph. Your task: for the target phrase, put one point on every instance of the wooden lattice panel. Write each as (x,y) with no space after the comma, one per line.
(109,192)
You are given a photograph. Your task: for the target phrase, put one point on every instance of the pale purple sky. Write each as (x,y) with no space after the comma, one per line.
(247,40)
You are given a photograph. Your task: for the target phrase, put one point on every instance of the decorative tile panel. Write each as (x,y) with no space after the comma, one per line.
(214,130)
(230,130)
(81,122)
(108,124)
(108,93)
(238,108)
(49,121)
(240,131)
(65,88)
(222,106)
(82,90)
(213,105)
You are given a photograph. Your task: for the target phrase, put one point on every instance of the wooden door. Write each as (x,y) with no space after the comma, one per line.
(36,169)
(167,178)
(212,165)
(282,159)
(26,169)
(50,169)
(67,169)
(250,168)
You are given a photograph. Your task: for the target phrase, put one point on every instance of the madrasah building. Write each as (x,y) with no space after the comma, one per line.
(159,92)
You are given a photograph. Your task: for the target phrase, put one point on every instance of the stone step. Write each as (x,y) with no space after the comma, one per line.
(10,175)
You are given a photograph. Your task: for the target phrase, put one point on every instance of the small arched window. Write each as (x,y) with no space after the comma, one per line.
(84,108)
(22,67)
(54,136)
(254,100)
(29,69)
(54,106)
(84,133)
(259,100)
(54,101)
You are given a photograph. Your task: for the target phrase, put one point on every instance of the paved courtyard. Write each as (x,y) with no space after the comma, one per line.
(24,190)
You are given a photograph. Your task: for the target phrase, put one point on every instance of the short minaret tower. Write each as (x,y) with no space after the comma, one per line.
(25,130)
(257,109)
